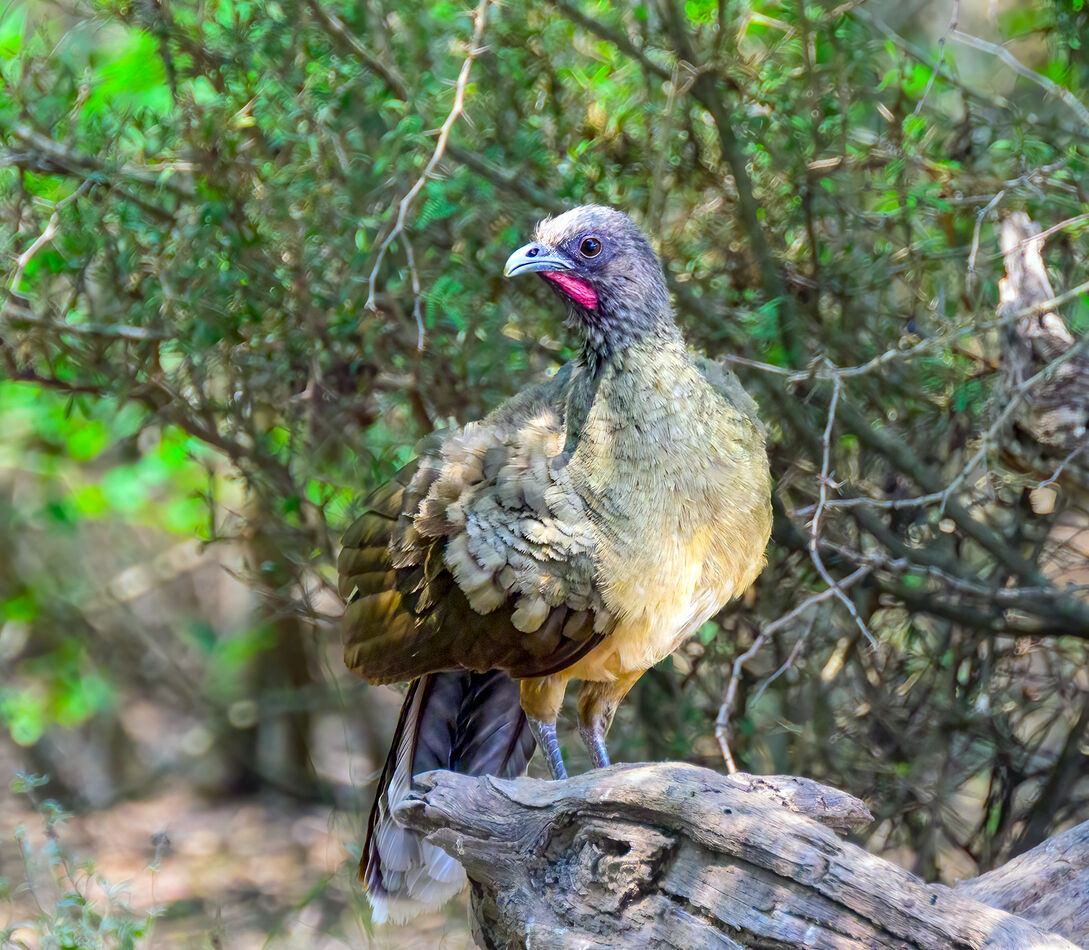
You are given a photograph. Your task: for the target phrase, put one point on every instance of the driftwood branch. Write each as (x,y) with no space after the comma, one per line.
(1054,409)
(1048,885)
(675,856)
(1044,388)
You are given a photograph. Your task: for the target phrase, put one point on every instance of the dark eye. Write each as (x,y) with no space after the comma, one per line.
(590,247)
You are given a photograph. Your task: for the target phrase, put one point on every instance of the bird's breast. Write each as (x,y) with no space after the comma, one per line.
(679,501)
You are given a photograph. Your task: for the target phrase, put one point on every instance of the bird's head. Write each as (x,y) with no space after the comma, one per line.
(603,267)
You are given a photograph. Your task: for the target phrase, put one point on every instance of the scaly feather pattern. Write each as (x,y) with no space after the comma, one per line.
(477,556)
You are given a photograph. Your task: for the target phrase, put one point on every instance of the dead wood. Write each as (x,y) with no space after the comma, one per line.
(674,856)
(1044,389)
(1048,885)
(1044,368)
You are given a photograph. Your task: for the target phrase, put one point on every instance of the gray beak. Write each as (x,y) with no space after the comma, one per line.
(534,257)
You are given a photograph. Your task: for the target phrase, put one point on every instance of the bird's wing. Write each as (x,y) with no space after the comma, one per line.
(477,556)
(729,387)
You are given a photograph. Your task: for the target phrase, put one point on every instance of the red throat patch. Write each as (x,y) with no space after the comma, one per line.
(575,288)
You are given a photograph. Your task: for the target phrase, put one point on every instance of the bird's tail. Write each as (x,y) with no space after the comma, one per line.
(467,722)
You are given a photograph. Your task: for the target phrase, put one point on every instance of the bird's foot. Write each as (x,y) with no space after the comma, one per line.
(547,741)
(595,745)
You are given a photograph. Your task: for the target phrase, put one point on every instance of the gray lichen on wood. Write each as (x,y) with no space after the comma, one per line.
(675,856)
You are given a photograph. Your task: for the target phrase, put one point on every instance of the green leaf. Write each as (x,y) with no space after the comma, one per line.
(701,11)
(22,608)
(88,440)
(133,78)
(12,30)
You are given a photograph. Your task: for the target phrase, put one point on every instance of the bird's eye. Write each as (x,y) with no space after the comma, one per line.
(590,247)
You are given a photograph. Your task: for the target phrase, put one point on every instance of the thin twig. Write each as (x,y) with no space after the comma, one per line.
(822,501)
(1053,88)
(954,18)
(795,651)
(983,212)
(122,331)
(945,495)
(68,159)
(479,17)
(47,235)
(889,503)
(863,14)
(1013,402)
(825,370)
(722,721)
(1047,232)
(1062,465)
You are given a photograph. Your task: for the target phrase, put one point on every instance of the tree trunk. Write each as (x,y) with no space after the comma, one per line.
(675,856)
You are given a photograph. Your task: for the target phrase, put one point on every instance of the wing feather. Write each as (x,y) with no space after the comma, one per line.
(477,556)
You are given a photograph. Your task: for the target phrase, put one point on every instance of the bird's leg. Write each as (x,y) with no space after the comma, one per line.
(545,734)
(597,706)
(594,740)
(541,699)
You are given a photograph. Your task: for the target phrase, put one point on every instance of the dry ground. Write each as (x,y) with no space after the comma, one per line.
(237,874)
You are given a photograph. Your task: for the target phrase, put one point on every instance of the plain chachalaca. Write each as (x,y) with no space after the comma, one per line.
(582,530)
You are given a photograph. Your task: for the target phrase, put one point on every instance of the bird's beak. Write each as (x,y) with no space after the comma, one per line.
(534,257)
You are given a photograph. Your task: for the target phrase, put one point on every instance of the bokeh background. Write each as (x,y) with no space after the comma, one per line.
(207,360)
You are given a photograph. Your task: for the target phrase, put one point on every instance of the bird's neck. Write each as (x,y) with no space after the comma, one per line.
(618,326)
(644,362)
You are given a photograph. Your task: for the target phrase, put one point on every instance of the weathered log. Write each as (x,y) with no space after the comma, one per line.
(1048,885)
(1054,410)
(675,856)
(1044,388)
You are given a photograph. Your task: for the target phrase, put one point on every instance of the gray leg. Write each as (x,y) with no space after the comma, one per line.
(545,734)
(595,745)
(597,705)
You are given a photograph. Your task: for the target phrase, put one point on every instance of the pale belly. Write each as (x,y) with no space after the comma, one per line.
(673,601)
(640,643)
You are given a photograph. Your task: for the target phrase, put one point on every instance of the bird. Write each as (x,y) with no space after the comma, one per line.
(582,530)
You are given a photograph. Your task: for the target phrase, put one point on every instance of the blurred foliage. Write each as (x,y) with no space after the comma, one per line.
(193,197)
(75,907)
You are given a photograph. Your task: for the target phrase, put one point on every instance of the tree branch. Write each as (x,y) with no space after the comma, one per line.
(675,856)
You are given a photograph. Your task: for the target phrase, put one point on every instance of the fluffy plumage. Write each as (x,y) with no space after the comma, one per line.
(582,530)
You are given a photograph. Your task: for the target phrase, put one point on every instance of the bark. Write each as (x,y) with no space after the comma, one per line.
(1052,413)
(675,856)
(1048,885)
(1044,380)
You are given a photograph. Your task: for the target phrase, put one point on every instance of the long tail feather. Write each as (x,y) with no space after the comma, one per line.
(467,722)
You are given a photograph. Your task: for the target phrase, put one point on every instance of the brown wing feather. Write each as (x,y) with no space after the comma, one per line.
(477,556)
